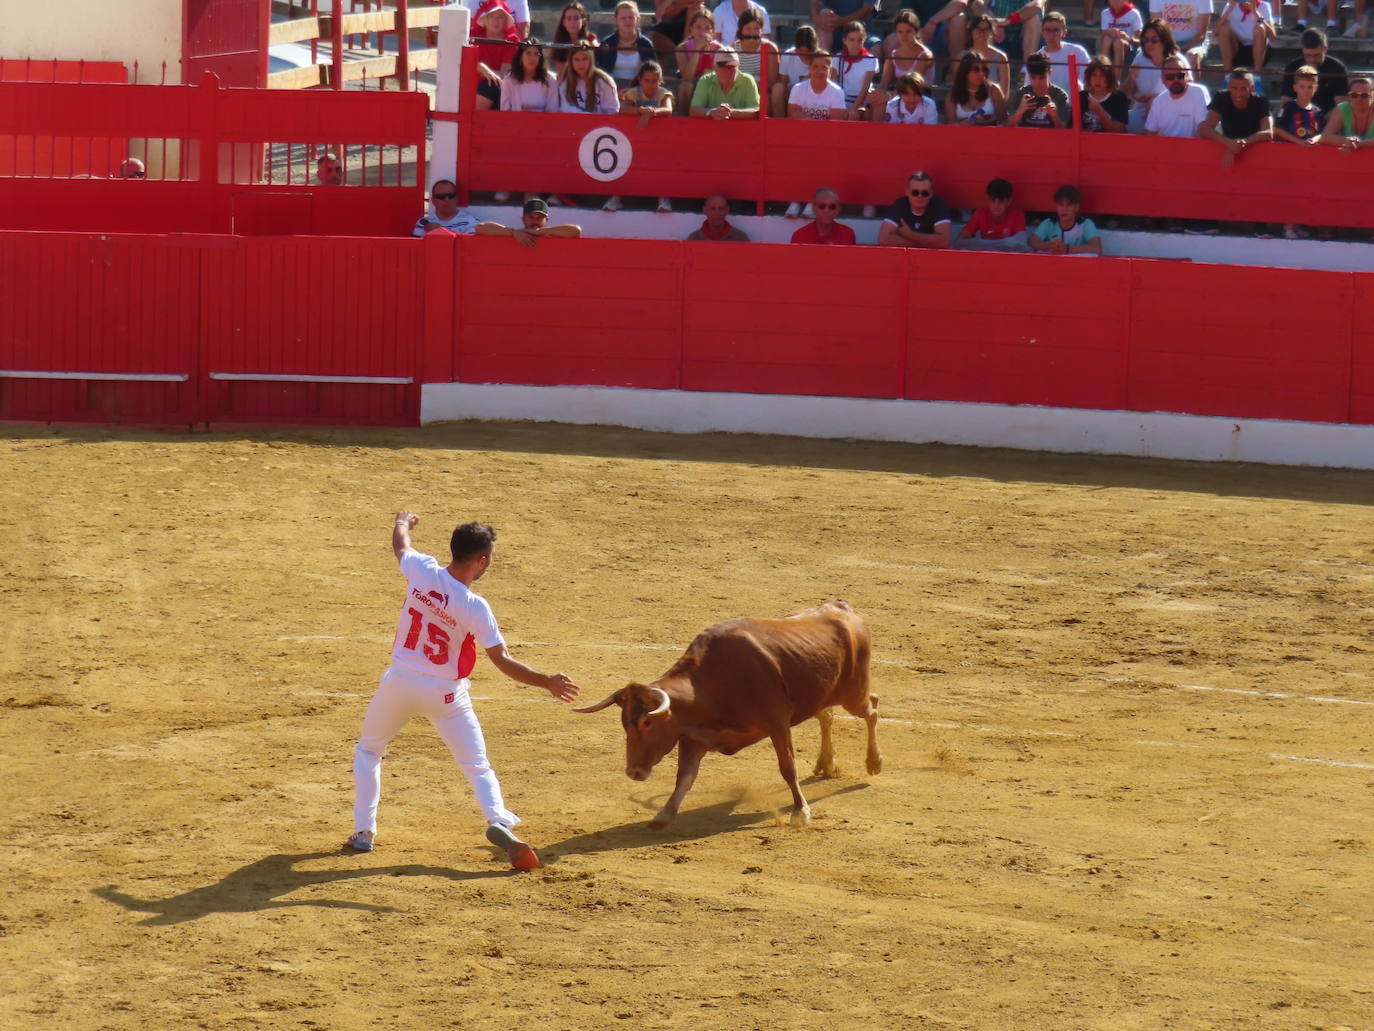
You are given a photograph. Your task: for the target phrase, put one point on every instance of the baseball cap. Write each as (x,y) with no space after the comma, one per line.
(727,57)
(536,205)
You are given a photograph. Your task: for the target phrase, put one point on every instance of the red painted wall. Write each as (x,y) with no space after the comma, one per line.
(226,37)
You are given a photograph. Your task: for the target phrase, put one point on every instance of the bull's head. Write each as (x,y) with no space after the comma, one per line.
(650,729)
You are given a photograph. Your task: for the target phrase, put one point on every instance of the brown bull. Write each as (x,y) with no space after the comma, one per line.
(745,680)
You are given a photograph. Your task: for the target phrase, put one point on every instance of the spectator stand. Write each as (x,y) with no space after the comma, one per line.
(313,43)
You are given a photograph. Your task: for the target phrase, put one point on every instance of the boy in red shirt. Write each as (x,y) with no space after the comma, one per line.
(997,225)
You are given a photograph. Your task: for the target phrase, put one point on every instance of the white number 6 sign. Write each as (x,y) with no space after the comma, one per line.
(605,154)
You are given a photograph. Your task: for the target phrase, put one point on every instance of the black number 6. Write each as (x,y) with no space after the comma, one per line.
(599,148)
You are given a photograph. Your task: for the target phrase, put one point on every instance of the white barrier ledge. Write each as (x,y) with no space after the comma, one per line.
(271,377)
(123,377)
(1024,427)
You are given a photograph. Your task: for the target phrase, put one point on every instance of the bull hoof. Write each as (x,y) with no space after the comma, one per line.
(875,764)
(662,820)
(826,771)
(801,817)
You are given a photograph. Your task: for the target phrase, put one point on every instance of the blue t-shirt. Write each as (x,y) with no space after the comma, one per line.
(1081,232)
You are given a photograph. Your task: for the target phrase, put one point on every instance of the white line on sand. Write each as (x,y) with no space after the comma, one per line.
(1270,755)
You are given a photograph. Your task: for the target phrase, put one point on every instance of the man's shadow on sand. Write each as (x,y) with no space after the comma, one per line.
(260,885)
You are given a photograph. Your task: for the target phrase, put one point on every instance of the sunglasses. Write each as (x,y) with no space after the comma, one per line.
(1174,76)
(1352,96)
(443,196)
(751,36)
(725,64)
(826,207)
(920,193)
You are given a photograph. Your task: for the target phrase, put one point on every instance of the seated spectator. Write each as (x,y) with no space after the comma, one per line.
(728,16)
(1017,24)
(584,88)
(981,30)
(1067,232)
(854,69)
(1332,78)
(1182,107)
(623,51)
(1121,26)
(1144,81)
(1237,119)
(717,227)
(997,225)
(494,22)
(1333,22)
(446,214)
(906,53)
(133,168)
(1056,31)
(329,170)
(824,229)
(754,51)
(695,55)
(1043,105)
(1189,23)
(534,225)
(918,219)
(519,9)
(529,86)
(912,104)
(1245,25)
(572,29)
(944,27)
(1350,125)
(670,26)
(726,93)
(793,66)
(832,18)
(648,99)
(817,97)
(1300,121)
(1103,107)
(972,99)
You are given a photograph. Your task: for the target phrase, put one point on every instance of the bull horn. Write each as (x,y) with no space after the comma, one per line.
(664,701)
(611,699)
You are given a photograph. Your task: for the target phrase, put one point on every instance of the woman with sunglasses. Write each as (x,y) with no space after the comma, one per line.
(1143,82)
(1350,125)
(529,86)
(907,55)
(972,98)
(981,30)
(572,29)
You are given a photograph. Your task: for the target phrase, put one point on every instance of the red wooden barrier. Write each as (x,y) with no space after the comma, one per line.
(226,37)
(61,155)
(1362,358)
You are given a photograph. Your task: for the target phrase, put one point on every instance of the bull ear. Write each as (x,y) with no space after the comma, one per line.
(614,698)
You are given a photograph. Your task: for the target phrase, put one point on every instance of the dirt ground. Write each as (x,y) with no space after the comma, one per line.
(1129,739)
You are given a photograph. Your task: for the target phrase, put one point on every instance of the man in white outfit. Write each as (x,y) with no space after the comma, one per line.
(442,624)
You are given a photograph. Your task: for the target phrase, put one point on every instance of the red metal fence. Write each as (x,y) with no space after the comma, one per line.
(258,180)
(191,330)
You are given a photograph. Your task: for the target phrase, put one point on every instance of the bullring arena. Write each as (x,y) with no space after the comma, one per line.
(1127,721)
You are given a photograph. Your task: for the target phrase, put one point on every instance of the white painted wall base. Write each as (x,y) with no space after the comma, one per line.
(1025,427)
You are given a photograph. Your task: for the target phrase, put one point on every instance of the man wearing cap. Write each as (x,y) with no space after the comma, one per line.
(534,224)
(447,214)
(726,92)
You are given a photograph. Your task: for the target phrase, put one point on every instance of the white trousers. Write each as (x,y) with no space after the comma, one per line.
(445,703)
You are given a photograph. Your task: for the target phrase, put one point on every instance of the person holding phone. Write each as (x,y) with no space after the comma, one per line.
(1043,104)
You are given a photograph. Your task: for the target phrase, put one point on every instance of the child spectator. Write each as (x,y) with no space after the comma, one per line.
(623,51)
(905,54)
(997,225)
(584,88)
(1056,31)
(817,97)
(648,99)
(1043,105)
(1300,121)
(981,30)
(695,55)
(529,86)
(793,66)
(572,28)
(912,104)
(1067,232)
(972,99)
(1121,27)
(494,23)
(1103,107)
(855,70)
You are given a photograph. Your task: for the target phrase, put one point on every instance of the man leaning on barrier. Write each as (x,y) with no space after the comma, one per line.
(534,224)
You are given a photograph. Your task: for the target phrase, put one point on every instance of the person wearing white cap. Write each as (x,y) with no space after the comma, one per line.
(726,92)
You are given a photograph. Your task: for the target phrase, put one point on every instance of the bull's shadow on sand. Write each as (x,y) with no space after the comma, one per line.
(712,821)
(261,885)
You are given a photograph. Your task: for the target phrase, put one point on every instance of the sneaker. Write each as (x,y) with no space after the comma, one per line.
(500,196)
(522,856)
(870,211)
(793,210)
(1201,229)
(555,201)
(665,206)
(612,204)
(1291,233)
(1351,30)
(359,841)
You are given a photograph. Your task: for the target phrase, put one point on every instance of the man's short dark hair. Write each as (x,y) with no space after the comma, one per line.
(442,182)
(470,540)
(1037,64)
(1312,38)
(999,189)
(1068,195)
(1239,74)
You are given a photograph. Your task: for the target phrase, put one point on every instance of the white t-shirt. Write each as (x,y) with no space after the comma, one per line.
(727,21)
(1147,79)
(1178,116)
(463,222)
(1244,23)
(817,105)
(1181,17)
(528,95)
(851,73)
(519,10)
(627,63)
(1128,22)
(1059,66)
(442,622)
(925,114)
(607,100)
(793,67)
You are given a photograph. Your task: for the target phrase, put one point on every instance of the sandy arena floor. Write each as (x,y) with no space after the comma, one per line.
(1129,739)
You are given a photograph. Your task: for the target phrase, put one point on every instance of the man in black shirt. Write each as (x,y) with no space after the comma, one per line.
(919,219)
(1237,119)
(1332,84)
